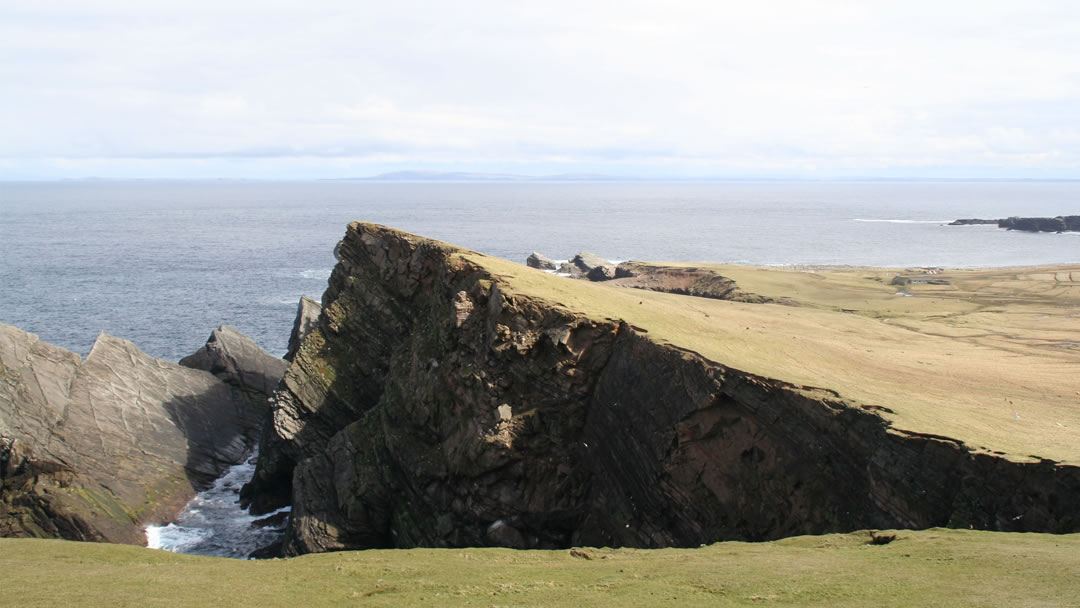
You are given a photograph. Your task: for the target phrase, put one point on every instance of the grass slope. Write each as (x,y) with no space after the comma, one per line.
(990,360)
(927,568)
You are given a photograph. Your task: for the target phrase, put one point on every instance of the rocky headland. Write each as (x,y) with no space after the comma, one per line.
(1061,223)
(95,449)
(447,398)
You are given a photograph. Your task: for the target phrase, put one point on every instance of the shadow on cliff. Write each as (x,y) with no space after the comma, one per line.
(220,430)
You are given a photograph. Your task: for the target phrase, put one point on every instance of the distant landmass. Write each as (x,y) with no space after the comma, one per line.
(461,176)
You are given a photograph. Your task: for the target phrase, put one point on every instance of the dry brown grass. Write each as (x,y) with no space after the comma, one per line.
(992,360)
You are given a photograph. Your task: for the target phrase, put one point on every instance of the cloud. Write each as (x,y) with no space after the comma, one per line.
(687,86)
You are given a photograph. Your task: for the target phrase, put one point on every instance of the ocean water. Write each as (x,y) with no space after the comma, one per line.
(163,263)
(213,523)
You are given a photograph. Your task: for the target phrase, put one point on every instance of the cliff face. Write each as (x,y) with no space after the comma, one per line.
(95,449)
(437,404)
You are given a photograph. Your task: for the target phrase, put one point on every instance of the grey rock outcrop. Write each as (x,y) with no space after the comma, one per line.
(307,318)
(96,449)
(541,261)
(236,360)
(581,264)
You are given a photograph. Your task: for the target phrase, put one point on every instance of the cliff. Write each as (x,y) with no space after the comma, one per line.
(96,449)
(447,398)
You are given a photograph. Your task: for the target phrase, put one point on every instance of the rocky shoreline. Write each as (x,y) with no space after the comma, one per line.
(442,398)
(96,449)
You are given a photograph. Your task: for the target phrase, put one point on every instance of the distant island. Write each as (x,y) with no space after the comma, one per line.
(1061,223)
(462,176)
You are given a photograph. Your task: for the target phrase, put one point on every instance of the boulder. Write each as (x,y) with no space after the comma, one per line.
(307,317)
(581,264)
(96,449)
(541,261)
(587,261)
(603,272)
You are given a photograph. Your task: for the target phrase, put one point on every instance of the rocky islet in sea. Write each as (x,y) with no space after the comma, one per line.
(1061,223)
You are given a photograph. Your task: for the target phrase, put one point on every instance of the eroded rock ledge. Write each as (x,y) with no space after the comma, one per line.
(436,404)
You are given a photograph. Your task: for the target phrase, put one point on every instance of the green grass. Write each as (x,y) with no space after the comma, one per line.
(927,568)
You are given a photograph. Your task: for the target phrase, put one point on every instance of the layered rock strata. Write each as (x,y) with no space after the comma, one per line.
(95,449)
(440,404)
(307,318)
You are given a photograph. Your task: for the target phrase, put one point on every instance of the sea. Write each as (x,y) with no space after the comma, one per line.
(162,263)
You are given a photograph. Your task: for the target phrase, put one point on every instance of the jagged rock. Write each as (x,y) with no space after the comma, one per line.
(541,261)
(96,449)
(307,317)
(402,423)
(235,359)
(972,222)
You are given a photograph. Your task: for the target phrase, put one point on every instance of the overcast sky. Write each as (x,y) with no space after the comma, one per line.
(131,88)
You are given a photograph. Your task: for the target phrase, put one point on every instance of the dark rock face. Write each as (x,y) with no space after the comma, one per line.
(412,419)
(307,318)
(96,449)
(541,261)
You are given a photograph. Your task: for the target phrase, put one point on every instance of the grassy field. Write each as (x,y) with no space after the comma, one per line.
(990,359)
(928,568)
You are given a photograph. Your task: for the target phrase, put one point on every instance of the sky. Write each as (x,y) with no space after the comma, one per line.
(337,89)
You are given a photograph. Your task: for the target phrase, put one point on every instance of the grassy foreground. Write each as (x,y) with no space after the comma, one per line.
(926,568)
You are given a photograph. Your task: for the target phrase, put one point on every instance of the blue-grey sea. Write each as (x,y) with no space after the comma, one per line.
(162,263)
